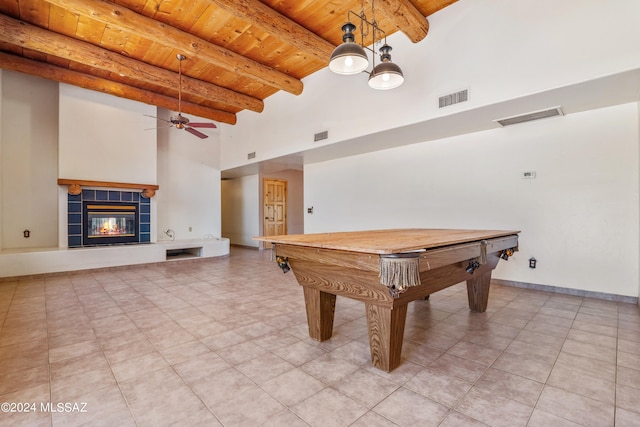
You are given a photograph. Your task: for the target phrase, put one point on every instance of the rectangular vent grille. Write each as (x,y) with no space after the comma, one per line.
(529,117)
(251,155)
(453,98)
(320,136)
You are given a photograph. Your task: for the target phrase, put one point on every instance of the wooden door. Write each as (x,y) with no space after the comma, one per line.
(275,208)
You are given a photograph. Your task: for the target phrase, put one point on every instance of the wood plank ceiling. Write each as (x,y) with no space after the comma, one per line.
(238,52)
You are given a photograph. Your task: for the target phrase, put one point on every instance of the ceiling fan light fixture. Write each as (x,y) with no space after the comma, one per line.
(348,58)
(386,75)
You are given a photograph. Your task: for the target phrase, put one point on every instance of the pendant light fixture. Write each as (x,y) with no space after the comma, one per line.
(385,75)
(351,57)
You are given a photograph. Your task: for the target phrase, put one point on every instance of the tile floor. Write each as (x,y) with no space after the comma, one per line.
(224,342)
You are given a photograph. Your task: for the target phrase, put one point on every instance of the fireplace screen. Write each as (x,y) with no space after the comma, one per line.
(110,223)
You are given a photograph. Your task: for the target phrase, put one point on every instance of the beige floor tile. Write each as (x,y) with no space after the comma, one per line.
(456,419)
(510,386)
(591,350)
(590,366)
(329,408)
(474,352)
(406,408)
(439,387)
(264,368)
(222,387)
(525,366)
(34,416)
(204,365)
(300,353)
(575,408)
(364,388)
(628,398)
(139,366)
(542,339)
(455,366)
(548,329)
(544,419)
(628,360)
(213,332)
(371,419)
(184,352)
(102,407)
(494,409)
(292,387)
(533,351)
(66,388)
(251,406)
(627,346)
(329,368)
(592,338)
(625,418)
(576,380)
(160,398)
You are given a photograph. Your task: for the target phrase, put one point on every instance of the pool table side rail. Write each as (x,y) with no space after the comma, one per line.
(386,241)
(429,260)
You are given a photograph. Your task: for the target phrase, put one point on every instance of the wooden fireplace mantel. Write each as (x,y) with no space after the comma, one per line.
(75,186)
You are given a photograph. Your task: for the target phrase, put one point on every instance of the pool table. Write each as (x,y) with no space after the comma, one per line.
(387,269)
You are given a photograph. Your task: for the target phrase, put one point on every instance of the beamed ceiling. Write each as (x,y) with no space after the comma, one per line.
(239,52)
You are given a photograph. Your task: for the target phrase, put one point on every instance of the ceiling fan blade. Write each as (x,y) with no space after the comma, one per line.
(202,125)
(192,131)
(158,118)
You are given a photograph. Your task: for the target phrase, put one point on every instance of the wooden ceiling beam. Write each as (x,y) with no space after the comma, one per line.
(31,37)
(270,21)
(404,15)
(75,78)
(127,20)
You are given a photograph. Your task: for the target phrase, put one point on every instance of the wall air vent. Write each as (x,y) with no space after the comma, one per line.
(453,98)
(528,117)
(251,155)
(320,136)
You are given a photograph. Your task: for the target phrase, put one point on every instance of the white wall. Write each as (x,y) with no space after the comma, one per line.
(28,161)
(103,138)
(241,210)
(189,178)
(579,217)
(50,131)
(498,49)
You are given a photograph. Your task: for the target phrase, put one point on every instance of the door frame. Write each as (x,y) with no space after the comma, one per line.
(266,245)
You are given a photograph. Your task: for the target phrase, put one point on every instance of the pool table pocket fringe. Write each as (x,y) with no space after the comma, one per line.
(399,272)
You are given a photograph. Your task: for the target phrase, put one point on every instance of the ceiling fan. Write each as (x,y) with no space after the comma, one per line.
(180,121)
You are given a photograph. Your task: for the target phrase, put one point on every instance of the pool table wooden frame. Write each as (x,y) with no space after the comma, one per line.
(348,264)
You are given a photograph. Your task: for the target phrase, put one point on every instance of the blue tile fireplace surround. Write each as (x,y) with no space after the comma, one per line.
(127,201)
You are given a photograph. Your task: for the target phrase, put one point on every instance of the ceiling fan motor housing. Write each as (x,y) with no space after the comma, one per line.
(180,121)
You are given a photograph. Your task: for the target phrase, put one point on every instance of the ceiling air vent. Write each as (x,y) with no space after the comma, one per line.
(453,98)
(251,155)
(320,136)
(528,117)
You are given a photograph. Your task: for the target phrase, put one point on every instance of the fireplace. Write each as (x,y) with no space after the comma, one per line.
(109,223)
(108,217)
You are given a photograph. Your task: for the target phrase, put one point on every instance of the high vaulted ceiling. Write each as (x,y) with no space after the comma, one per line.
(238,52)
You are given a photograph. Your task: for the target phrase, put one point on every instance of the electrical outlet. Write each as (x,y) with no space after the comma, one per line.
(189,229)
(529,175)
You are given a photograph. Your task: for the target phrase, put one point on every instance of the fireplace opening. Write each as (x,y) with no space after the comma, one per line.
(109,223)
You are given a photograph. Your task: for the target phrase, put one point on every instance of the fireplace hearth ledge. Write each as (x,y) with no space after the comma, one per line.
(35,261)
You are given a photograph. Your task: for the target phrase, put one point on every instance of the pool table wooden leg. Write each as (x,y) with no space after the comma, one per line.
(478,291)
(386,331)
(321,307)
